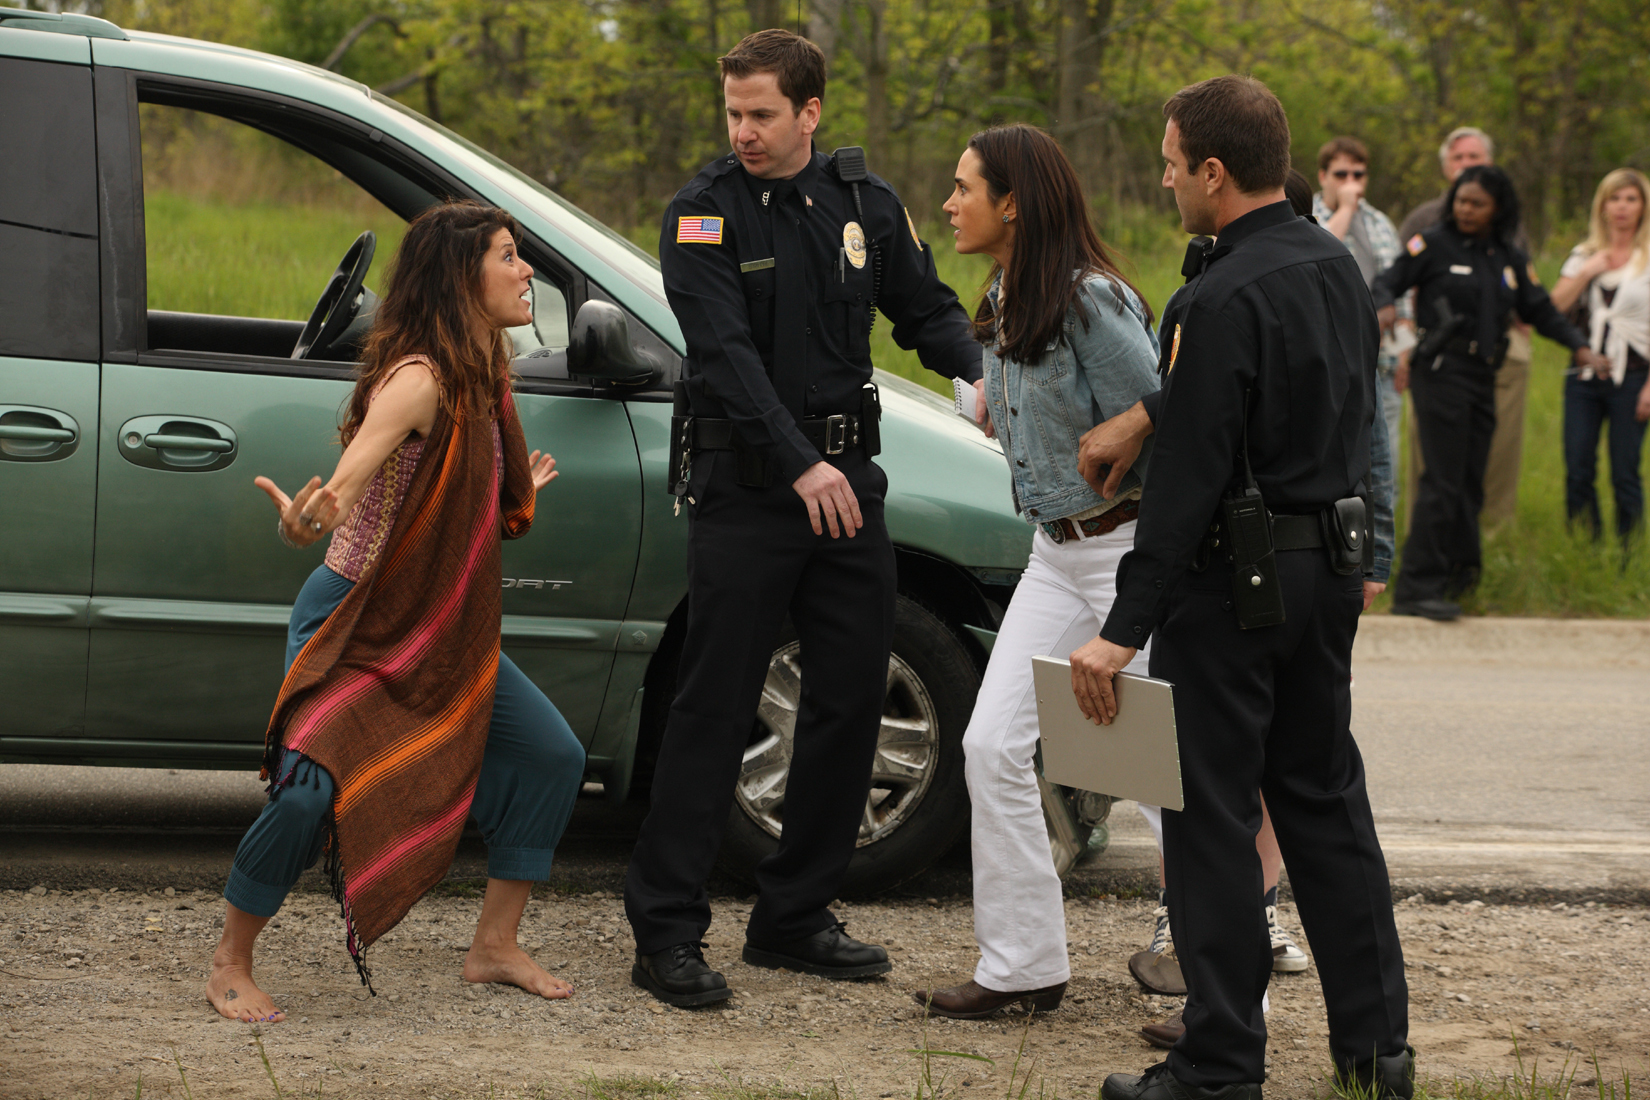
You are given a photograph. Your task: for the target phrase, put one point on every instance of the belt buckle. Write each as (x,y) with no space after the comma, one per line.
(1056,532)
(836,434)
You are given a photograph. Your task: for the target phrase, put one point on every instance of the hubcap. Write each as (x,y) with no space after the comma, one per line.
(907,749)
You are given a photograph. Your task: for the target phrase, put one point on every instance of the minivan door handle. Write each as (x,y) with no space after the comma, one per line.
(32,434)
(177,443)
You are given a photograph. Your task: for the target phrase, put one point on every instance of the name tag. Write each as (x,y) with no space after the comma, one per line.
(1460,269)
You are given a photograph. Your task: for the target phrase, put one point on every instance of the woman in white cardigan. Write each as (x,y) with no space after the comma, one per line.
(1609,274)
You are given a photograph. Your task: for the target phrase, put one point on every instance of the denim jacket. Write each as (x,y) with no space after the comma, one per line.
(1041,409)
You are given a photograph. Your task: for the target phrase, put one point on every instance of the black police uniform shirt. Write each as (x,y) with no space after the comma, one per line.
(729,317)
(1280,312)
(1485,283)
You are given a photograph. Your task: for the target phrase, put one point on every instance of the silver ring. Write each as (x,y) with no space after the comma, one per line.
(316,525)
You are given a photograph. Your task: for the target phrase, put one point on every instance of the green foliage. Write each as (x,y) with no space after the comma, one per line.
(616,102)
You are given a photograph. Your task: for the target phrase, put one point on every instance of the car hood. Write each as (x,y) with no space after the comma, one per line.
(948,485)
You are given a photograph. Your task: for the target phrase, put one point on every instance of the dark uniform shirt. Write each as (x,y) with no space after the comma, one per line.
(1279,311)
(722,221)
(1485,282)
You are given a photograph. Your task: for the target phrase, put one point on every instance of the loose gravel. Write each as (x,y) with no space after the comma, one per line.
(99,987)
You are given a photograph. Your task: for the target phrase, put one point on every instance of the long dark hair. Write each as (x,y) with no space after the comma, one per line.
(1504,226)
(1053,238)
(431,299)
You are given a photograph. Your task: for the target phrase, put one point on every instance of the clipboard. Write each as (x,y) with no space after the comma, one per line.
(1136,757)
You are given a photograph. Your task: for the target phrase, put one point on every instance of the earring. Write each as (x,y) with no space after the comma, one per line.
(1005,219)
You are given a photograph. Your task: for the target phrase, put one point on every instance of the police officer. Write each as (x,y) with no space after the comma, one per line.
(1470,280)
(1247,574)
(774,259)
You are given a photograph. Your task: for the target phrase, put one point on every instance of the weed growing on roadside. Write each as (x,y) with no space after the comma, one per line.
(1527,1084)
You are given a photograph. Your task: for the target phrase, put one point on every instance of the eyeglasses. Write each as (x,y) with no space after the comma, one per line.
(1355,173)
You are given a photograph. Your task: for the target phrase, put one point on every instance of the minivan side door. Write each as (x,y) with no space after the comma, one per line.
(48,385)
(193,587)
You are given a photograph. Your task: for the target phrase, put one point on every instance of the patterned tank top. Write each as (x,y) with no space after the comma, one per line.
(357,542)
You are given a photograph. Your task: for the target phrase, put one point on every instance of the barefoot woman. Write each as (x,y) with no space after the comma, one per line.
(399,716)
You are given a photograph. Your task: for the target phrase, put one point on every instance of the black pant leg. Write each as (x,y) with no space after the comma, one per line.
(1315,790)
(1223,697)
(1443,530)
(843,610)
(745,555)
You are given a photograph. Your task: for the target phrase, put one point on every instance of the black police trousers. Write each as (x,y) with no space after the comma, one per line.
(752,559)
(1269,710)
(1455,417)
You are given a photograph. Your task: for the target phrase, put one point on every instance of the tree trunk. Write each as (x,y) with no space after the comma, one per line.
(771,13)
(1079,101)
(875,61)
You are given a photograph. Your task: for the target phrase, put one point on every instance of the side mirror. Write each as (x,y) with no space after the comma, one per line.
(600,348)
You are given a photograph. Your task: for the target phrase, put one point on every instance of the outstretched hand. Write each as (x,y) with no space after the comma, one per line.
(307,516)
(543,469)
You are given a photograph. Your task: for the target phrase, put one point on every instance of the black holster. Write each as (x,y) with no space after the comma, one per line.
(1346,535)
(679,467)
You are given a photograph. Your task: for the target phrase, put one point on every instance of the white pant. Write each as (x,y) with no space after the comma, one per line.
(1019,917)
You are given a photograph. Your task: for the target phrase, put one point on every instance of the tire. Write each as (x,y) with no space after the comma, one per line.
(921,809)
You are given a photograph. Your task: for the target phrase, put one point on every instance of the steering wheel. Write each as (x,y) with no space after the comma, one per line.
(336,307)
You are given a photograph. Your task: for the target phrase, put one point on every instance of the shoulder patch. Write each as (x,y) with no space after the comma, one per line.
(1174,350)
(1417,245)
(1510,277)
(1535,280)
(698,230)
(912,226)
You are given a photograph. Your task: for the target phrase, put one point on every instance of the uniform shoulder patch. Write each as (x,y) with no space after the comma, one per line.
(912,226)
(698,230)
(1174,349)
(1510,277)
(1417,245)
(1535,280)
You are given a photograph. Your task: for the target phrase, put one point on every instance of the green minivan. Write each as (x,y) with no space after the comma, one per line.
(143,591)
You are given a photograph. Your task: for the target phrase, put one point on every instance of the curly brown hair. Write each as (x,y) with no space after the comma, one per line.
(431,300)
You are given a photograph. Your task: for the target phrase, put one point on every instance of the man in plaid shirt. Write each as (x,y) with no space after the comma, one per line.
(1340,207)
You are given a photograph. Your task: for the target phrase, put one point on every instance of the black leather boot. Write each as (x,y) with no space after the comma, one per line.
(1157,1083)
(830,954)
(679,976)
(1388,1078)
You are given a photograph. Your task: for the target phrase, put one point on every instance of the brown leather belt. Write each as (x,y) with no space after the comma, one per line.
(1063,530)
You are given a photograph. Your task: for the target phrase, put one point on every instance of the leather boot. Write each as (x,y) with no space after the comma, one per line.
(679,976)
(973,1001)
(1388,1078)
(1157,1083)
(1166,1034)
(831,953)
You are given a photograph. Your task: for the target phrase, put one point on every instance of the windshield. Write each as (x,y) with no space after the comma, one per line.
(635,264)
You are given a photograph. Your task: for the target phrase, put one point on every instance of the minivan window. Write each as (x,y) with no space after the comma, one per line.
(48,212)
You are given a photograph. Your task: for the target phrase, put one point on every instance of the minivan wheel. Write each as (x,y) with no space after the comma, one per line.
(918,803)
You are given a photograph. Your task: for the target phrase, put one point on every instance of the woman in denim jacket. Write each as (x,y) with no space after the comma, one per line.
(1068,343)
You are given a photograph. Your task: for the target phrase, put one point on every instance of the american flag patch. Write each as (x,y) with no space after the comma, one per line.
(699,231)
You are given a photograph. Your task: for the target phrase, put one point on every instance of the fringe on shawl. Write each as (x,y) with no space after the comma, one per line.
(333,868)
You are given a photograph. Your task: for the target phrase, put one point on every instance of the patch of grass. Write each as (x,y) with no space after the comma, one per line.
(270,259)
(1527,1084)
(627,1087)
(253,259)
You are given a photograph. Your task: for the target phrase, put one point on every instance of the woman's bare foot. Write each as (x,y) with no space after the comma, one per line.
(510,965)
(234,994)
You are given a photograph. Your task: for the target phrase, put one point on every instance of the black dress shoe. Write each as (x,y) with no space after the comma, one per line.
(1389,1078)
(678,976)
(1157,1083)
(1439,611)
(830,954)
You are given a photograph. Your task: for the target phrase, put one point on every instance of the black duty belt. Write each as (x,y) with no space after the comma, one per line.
(831,434)
(1297,532)
(1475,350)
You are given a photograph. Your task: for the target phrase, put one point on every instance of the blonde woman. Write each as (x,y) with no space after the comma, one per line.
(1609,275)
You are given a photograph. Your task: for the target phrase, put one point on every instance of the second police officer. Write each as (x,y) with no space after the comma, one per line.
(774,260)
(1471,280)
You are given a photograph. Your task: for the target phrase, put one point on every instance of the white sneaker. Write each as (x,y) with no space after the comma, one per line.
(1286,957)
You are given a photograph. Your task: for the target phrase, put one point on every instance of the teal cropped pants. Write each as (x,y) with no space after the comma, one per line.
(530,774)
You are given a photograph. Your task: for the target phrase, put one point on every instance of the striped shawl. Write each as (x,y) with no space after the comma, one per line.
(393,695)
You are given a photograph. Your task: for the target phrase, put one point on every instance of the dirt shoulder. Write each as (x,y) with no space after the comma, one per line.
(97,987)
